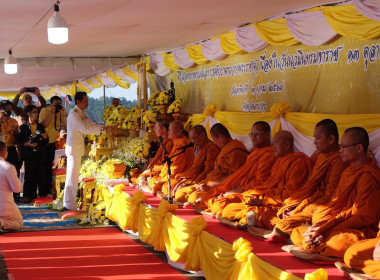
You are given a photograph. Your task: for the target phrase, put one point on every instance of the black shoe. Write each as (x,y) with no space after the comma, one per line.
(26,199)
(64,209)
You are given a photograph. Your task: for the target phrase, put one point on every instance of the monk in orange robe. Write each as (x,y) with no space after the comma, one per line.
(233,154)
(288,176)
(365,256)
(179,163)
(206,153)
(321,184)
(354,211)
(161,129)
(253,173)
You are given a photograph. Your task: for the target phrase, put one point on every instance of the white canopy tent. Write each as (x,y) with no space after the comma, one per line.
(107,34)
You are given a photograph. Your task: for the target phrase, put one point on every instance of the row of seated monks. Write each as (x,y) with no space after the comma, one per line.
(327,204)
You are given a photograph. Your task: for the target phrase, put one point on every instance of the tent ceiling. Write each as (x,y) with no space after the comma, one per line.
(117,28)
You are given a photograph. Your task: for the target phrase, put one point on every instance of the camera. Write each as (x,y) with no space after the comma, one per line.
(58,107)
(36,137)
(30,89)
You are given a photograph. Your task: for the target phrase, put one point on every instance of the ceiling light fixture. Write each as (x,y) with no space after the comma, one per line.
(58,31)
(10,64)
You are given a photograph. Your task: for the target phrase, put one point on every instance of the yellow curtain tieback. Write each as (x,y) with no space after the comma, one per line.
(119,188)
(242,249)
(279,110)
(210,110)
(165,207)
(319,274)
(139,197)
(196,226)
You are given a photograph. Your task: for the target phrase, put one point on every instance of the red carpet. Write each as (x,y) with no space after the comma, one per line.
(87,254)
(270,252)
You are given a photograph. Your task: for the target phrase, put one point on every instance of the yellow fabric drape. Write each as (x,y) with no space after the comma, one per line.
(8,94)
(128,71)
(132,213)
(94,85)
(119,81)
(275,32)
(347,21)
(249,266)
(196,54)
(229,45)
(83,88)
(169,62)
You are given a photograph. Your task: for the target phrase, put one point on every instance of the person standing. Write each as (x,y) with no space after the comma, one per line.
(26,101)
(52,118)
(10,215)
(78,124)
(33,140)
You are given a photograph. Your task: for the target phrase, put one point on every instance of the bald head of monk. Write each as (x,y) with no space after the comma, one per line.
(283,143)
(161,128)
(198,136)
(260,134)
(326,136)
(220,135)
(354,146)
(176,130)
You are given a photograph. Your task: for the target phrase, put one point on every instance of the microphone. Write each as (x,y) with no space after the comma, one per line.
(162,144)
(186,146)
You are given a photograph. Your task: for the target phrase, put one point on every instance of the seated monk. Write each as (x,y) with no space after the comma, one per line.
(180,163)
(365,256)
(206,153)
(253,173)
(320,185)
(233,154)
(10,215)
(288,175)
(161,129)
(354,211)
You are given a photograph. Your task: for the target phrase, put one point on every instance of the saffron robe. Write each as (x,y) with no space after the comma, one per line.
(231,157)
(360,256)
(179,164)
(253,173)
(288,175)
(318,190)
(352,214)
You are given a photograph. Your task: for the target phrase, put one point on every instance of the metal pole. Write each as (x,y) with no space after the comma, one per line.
(104,97)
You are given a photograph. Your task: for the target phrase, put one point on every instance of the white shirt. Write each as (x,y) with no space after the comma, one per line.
(79,124)
(9,183)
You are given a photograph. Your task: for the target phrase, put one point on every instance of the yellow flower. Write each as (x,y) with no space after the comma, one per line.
(163,98)
(175,107)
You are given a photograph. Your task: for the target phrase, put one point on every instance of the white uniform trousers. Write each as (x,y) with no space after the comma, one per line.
(71,184)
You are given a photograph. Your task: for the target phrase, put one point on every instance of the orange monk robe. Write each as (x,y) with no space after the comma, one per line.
(156,164)
(288,175)
(352,215)
(179,164)
(360,256)
(319,188)
(231,157)
(203,164)
(254,172)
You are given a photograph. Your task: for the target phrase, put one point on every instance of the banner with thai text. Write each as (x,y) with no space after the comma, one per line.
(340,77)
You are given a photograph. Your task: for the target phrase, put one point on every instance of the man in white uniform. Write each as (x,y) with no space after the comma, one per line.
(78,124)
(10,215)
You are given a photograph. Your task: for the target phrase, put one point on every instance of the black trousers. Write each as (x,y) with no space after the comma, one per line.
(35,176)
(13,158)
(49,164)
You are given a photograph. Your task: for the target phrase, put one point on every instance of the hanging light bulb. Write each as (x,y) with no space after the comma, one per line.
(58,32)
(10,64)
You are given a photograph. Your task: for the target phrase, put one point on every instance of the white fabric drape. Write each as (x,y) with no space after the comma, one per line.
(157,64)
(248,40)
(212,50)
(107,81)
(182,58)
(310,28)
(119,72)
(368,8)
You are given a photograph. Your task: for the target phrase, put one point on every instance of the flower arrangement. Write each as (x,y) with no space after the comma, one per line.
(175,107)
(149,117)
(152,99)
(163,98)
(117,116)
(103,139)
(133,152)
(131,120)
(107,112)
